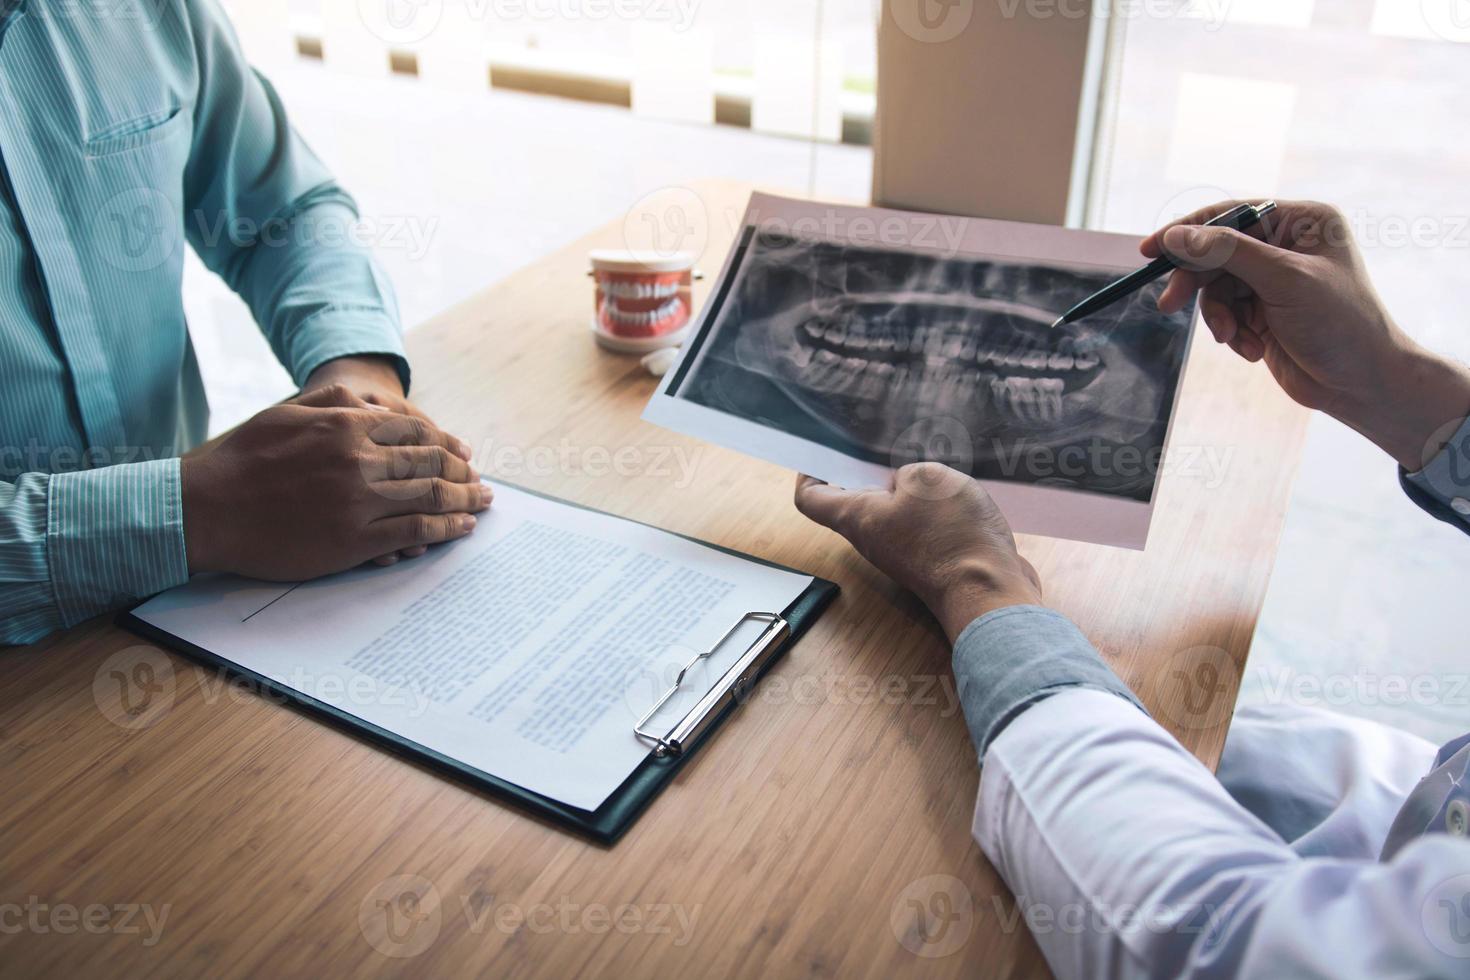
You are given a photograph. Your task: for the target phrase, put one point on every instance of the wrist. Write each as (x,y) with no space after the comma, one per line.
(1419,402)
(200,529)
(972,591)
(359,372)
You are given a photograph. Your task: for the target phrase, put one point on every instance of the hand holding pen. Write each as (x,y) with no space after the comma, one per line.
(1240,218)
(1302,301)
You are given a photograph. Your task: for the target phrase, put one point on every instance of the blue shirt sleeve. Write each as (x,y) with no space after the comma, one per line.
(73,545)
(265,215)
(1443,487)
(1011,658)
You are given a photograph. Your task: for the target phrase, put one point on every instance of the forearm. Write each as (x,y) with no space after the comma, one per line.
(1419,413)
(1419,402)
(975,589)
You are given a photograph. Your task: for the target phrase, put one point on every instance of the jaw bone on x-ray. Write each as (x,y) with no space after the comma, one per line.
(886,355)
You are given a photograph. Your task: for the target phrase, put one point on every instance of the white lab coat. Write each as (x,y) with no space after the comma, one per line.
(1130,859)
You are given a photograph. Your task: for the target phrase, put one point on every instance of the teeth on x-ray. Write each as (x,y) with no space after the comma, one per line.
(977,350)
(860,349)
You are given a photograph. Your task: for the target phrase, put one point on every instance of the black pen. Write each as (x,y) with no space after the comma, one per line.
(1241,218)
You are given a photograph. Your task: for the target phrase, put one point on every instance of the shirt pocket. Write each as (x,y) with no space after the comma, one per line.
(136,133)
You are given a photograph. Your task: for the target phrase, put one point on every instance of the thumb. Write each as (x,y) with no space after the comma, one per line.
(820,501)
(1203,250)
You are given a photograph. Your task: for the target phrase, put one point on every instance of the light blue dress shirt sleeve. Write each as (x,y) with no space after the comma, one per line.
(75,544)
(1443,487)
(1011,658)
(265,215)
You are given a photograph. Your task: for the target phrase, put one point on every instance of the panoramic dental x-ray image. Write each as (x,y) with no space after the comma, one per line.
(891,356)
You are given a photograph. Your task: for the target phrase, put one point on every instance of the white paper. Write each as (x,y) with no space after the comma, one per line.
(930,250)
(528,650)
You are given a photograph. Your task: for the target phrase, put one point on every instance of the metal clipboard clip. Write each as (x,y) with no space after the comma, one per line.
(733,684)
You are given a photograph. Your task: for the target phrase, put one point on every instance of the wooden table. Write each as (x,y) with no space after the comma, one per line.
(825,830)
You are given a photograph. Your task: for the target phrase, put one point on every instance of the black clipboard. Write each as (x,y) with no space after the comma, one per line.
(669,750)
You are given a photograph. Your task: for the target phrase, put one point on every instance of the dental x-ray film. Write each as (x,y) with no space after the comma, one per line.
(846,342)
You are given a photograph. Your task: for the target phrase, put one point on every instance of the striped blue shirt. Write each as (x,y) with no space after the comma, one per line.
(126,131)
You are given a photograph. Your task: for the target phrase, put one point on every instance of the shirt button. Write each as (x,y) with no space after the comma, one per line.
(1457,819)
(1460,506)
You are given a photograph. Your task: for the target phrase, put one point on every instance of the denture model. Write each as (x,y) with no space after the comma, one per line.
(643,299)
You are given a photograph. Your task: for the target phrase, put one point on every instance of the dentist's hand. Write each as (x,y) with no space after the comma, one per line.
(1301,300)
(938,534)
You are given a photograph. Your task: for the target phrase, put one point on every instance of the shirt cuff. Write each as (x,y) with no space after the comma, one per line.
(1011,658)
(1443,487)
(346,332)
(114,535)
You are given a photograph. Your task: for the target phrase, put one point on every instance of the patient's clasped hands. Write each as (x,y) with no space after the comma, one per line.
(345,473)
